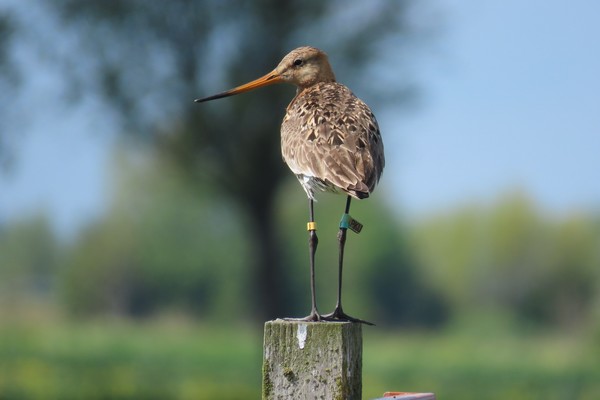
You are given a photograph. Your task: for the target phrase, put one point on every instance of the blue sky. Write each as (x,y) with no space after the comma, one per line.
(511,99)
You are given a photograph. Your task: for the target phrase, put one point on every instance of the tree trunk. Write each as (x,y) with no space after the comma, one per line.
(268,275)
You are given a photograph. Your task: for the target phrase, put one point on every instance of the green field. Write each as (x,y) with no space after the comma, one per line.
(181,360)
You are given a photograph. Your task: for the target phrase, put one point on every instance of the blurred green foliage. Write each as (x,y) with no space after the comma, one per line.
(30,258)
(509,290)
(174,359)
(509,257)
(166,245)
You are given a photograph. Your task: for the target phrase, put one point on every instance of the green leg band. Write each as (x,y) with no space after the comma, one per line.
(345,222)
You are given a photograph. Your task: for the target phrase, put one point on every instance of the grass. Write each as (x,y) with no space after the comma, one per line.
(481,367)
(123,361)
(179,360)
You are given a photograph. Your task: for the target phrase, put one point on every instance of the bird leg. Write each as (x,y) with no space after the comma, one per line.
(313,241)
(338,313)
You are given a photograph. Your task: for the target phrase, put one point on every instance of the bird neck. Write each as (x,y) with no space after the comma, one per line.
(326,74)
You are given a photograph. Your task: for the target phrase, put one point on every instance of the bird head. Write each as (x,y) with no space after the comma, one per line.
(303,67)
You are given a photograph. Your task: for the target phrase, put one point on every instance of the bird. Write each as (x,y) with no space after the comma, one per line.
(330,140)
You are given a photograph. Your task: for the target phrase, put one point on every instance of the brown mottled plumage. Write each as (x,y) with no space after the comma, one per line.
(329,138)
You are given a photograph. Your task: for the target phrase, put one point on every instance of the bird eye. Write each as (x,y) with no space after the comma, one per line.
(298,61)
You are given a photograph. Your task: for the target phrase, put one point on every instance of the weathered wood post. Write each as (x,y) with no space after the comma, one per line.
(312,360)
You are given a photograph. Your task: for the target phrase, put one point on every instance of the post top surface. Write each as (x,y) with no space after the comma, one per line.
(296,322)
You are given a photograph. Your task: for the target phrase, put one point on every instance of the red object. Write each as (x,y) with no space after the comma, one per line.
(408,396)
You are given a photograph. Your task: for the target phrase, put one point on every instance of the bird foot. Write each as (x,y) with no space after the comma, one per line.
(339,315)
(314,316)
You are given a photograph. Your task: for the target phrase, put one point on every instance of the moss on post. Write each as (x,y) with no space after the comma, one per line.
(312,360)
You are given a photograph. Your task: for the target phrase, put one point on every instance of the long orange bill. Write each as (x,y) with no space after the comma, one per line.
(269,79)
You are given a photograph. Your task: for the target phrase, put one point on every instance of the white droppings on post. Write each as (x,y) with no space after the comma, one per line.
(301,335)
(349,364)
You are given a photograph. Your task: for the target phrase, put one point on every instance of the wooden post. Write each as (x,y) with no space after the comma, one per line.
(312,360)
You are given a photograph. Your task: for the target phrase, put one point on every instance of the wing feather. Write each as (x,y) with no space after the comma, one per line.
(331,135)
